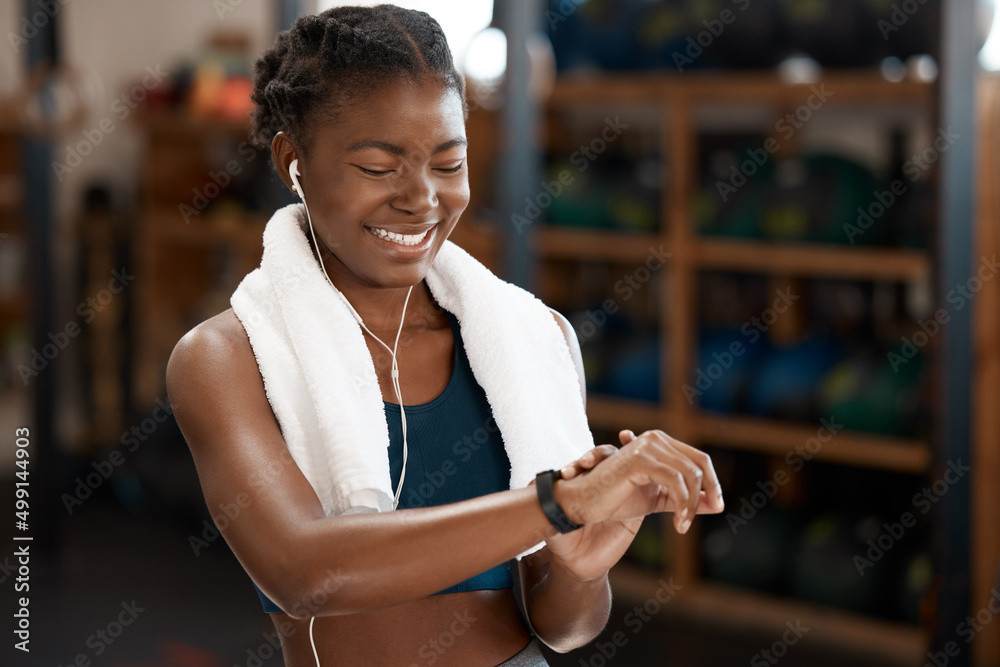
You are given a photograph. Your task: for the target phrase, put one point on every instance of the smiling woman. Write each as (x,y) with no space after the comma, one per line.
(385,182)
(292,400)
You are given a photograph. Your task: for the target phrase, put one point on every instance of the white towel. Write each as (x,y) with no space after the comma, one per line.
(320,377)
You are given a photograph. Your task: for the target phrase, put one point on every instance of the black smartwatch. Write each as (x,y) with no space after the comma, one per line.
(555,514)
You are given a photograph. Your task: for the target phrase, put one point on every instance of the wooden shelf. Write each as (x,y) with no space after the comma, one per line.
(749,255)
(593,244)
(864,86)
(847,447)
(893,643)
(765,436)
(804,259)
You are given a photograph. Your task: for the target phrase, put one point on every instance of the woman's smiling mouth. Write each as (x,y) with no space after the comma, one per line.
(403,245)
(402,239)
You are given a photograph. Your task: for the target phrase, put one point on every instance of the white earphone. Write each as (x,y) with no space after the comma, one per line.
(293,171)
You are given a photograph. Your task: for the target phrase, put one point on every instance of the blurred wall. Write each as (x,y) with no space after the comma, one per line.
(10,72)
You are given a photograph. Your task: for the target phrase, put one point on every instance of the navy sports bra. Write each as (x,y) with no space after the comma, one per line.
(455,452)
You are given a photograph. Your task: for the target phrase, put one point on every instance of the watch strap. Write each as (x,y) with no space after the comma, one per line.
(546,497)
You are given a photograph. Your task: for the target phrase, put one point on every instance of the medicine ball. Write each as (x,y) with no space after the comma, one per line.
(823,569)
(785,381)
(817,198)
(752,552)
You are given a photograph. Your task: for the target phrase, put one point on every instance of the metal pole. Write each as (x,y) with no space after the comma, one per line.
(519,174)
(47,458)
(957,266)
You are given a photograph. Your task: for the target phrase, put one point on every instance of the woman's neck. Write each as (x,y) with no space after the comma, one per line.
(381,307)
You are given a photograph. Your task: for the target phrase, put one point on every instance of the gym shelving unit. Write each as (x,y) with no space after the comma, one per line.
(678,101)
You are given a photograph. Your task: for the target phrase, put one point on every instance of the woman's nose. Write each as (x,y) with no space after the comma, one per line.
(417,194)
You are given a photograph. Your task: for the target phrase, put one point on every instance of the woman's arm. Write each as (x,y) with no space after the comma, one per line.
(565,611)
(281,535)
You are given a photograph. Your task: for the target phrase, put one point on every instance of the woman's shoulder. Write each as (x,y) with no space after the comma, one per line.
(215,352)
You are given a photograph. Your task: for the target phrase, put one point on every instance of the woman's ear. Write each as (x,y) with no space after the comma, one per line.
(283,152)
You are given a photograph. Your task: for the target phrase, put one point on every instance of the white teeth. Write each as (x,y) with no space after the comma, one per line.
(402,239)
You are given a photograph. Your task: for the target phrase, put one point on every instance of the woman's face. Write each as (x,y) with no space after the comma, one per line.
(386,182)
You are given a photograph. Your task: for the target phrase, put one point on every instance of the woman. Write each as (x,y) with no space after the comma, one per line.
(364,114)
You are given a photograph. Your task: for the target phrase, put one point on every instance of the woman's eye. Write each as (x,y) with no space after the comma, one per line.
(374,172)
(452,170)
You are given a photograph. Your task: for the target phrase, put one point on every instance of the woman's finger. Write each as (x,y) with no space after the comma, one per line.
(675,485)
(710,480)
(586,462)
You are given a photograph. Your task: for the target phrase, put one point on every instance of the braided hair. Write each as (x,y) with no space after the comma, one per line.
(324,62)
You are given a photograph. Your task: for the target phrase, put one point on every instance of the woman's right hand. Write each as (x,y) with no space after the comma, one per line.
(652,472)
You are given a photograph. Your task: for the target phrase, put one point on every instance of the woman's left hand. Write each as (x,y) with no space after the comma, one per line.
(588,553)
